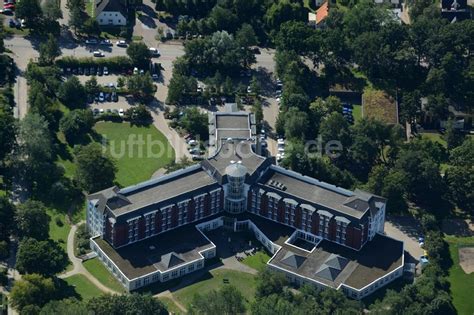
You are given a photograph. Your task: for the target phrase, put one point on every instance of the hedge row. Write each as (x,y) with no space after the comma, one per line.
(118,63)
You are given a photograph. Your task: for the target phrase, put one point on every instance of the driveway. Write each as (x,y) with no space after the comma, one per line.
(406,229)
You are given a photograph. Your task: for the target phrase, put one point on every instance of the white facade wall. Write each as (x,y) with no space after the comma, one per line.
(94,220)
(111,18)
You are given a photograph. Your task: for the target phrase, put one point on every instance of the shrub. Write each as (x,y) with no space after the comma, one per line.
(4,249)
(114,64)
(58,221)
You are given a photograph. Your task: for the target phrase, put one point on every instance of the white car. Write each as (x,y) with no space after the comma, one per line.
(154,52)
(135,70)
(192,142)
(281,149)
(281,142)
(101,111)
(98,54)
(249,89)
(121,43)
(106,42)
(121,112)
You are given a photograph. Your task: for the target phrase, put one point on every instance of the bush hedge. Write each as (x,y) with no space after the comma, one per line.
(118,63)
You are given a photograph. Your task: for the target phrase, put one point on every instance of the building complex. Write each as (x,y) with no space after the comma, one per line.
(317,233)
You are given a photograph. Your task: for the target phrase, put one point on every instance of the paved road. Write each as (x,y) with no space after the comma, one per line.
(65,19)
(407,230)
(77,263)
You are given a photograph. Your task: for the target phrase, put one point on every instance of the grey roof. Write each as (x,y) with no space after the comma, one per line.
(230,125)
(171,259)
(236,170)
(336,261)
(238,120)
(293,260)
(155,191)
(328,273)
(234,151)
(319,194)
(110,6)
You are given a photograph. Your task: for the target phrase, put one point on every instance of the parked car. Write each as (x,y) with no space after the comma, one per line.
(80,71)
(108,97)
(7,11)
(121,43)
(154,52)
(106,42)
(196,157)
(98,54)
(135,70)
(106,71)
(192,142)
(101,97)
(101,111)
(99,71)
(96,111)
(93,71)
(91,41)
(114,96)
(74,71)
(121,112)
(10,6)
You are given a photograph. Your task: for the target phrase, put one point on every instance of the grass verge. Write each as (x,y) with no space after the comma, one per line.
(213,280)
(170,305)
(135,163)
(83,287)
(462,284)
(257,261)
(98,270)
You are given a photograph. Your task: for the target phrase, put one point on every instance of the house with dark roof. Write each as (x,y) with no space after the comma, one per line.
(317,233)
(110,12)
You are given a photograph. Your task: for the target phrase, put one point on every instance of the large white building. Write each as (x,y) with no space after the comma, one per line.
(318,233)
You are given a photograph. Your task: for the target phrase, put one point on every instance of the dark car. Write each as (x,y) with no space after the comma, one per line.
(108,97)
(12,23)
(114,97)
(86,71)
(74,71)
(93,71)
(80,71)
(90,98)
(100,71)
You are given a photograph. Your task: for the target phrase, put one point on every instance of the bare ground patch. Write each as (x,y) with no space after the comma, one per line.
(466,259)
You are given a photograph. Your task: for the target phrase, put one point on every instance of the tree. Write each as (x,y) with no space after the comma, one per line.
(30,10)
(66,306)
(296,122)
(255,86)
(246,36)
(51,10)
(7,131)
(228,300)
(77,18)
(92,86)
(42,257)
(141,86)
(196,123)
(453,136)
(139,115)
(91,27)
(7,212)
(95,171)
(72,93)
(222,19)
(139,54)
(179,87)
(32,220)
(269,282)
(32,290)
(33,159)
(133,304)
(76,124)
(49,50)
(282,11)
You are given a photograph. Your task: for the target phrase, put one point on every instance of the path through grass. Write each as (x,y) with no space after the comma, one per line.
(98,270)
(83,287)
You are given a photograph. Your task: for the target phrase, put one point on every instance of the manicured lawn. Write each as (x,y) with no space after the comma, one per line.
(98,270)
(58,232)
(213,281)
(357,112)
(170,306)
(83,287)
(139,151)
(90,7)
(435,136)
(257,261)
(462,284)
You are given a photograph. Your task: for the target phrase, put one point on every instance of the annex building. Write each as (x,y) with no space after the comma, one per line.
(318,234)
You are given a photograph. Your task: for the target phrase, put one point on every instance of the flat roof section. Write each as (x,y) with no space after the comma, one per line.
(160,252)
(359,268)
(164,190)
(317,194)
(232,121)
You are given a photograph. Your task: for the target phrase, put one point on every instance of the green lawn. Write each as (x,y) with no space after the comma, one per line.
(213,281)
(83,286)
(170,306)
(257,261)
(357,112)
(462,284)
(98,270)
(135,162)
(435,136)
(58,232)
(90,8)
